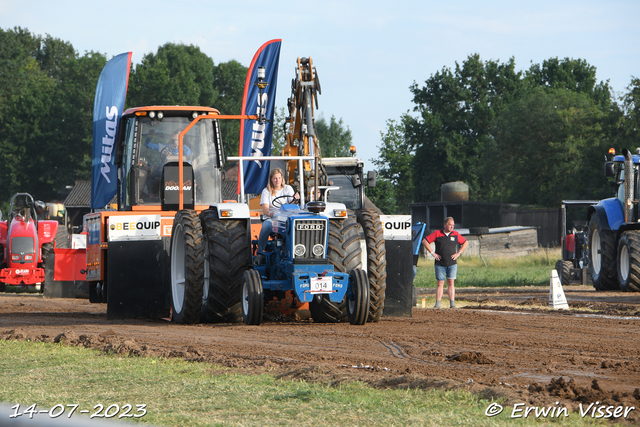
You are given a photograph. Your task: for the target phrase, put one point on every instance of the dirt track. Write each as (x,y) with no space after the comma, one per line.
(526,354)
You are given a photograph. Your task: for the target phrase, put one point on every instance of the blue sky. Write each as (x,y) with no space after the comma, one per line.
(367,53)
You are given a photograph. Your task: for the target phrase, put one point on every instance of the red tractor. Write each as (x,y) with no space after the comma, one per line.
(25,243)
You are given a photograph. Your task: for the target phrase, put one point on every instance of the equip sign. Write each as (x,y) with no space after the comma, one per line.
(134,227)
(396,227)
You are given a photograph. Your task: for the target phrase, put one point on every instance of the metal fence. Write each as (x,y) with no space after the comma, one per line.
(492,215)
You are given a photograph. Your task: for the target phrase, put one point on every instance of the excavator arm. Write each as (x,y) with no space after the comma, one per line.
(301,138)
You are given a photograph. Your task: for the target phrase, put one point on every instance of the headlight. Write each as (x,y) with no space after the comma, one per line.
(318,250)
(299,250)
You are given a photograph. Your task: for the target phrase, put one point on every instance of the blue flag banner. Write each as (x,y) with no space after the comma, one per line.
(111,91)
(255,137)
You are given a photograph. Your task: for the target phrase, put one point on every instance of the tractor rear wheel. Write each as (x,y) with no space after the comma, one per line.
(358,297)
(629,261)
(51,288)
(252,298)
(229,244)
(343,251)
(564,271)
(602,256)
(376,261)
(186,267)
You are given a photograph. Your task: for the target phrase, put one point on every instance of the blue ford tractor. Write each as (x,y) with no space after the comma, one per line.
(614,230)
(305,246)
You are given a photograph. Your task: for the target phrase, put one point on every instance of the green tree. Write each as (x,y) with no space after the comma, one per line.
(45,113)
(575,75)
(335,140)
(278,141)
(631,105)
(228,81)
(383,196)
(176,75)
(394,189)
(455,109)
(546,148)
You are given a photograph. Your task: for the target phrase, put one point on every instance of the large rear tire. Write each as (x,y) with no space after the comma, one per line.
(376,261)
(229,244)
(186,267)
(51,288)
(358,297)
(62,237)
(343,251)
(602,256)
(629,261)
(252,298)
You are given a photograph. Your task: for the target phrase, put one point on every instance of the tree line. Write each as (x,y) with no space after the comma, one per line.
(46,105)
(532,137)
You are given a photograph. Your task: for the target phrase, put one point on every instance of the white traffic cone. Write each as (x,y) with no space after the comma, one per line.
(557,299)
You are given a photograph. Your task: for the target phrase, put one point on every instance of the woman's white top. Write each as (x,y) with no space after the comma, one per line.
(266,197)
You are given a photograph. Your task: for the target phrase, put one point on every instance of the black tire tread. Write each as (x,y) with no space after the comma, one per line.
(62,237)
(633,284)
(255,298)
(229,257)
(343,252)
(360,292)
(369,219)
(193,264)
(608,277)
(564,271)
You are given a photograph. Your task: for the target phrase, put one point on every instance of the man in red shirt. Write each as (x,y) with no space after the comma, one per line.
(446,253)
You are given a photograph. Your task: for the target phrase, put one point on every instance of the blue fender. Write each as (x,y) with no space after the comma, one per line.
(611,211)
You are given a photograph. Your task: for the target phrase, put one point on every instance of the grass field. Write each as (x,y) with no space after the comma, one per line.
(179,393)
(532,270)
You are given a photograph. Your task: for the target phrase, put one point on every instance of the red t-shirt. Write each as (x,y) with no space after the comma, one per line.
(446,245)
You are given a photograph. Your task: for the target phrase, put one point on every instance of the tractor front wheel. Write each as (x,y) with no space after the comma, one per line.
(187,267)
(629,261)
(344,253)
(602,256)
(229,245)
(358,297)
(252,298)
(376,261)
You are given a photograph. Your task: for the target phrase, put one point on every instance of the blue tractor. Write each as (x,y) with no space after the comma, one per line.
(306,245)
(614,230)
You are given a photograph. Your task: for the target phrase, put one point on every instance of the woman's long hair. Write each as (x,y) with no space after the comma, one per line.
(270,186)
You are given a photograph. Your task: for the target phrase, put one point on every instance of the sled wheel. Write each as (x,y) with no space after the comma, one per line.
(252,298)
(358,297)
(187,267)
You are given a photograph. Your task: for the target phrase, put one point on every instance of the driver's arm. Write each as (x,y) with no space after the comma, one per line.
(265,209)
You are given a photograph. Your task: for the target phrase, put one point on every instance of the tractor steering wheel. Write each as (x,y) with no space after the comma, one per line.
(279,201)
(165,152)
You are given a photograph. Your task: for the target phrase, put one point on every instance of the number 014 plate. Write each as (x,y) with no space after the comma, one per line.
(321,285)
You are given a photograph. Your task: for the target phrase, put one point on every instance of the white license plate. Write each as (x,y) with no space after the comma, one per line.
(321,285)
